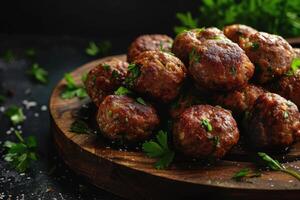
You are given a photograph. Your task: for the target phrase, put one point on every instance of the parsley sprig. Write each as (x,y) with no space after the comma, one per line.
(134,73)
(122,91)
(15,114)
(21,154)
(206,124)
(276,166)
(160,150)
(72,89)
(245,173)
(187,21)
(38,73)
(295,65)
(81,127)
(98,49)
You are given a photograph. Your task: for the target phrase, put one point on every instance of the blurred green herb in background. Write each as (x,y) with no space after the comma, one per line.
(280,17)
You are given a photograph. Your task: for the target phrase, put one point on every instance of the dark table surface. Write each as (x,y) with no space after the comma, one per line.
(49,177)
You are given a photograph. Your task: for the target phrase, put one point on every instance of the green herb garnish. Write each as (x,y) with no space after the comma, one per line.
(106,67)
(81,127)
(187,21)
(30,52)
(276,166)
(286,114)
(134,73)
(245,173)
(9,56)
(254,46)
(159,149)
(206,124)
(294,67)
(115,74)
(122,91)
(72,89)
(194,57)
(20,155)
(39,73)
(15,114)
(233,70)
(141,101)
(99,49)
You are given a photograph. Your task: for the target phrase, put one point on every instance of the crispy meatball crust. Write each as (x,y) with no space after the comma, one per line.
(240,100)
(192,138)
(237,32)
(271,55)
(288,87)
(220,65)
(186,41)
(122,118)
(149,43)
(105,78)
(160,75)
(273,122)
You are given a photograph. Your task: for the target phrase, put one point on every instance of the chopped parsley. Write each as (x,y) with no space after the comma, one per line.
(20,155)
(15,114)
(106,67)
(134,73)
(39,73)
(81,127)
(141,101)
(286,114)
(233,70)
(115,74)
(294,67)
(100,49)
(245,173)
(122,91)
(193,56)
(72,89)
(276,166)
(254,46)
(206,124)
(160,150)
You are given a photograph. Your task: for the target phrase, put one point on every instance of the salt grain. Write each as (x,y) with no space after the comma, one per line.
(2,109)
(29,104)
(44,108)
(36,114)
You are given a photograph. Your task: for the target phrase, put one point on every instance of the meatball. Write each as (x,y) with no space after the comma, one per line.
(186,41)
(220,65)
(105,78)
(240,100)
(237,32)
(288,86)
(273,122)
(157,74)
(123,118)
(149,43)
(203,130)
(271,55)
(297,52)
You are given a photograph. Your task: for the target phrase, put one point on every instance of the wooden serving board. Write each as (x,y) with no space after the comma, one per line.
(131,174)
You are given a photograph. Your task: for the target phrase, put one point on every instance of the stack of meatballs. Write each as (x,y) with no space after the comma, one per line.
(212,83)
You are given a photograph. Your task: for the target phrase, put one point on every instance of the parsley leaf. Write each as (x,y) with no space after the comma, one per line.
(245,173)
(106,67)
(294,67)
(99,49)
(134,73)
(122,91)
(276,166)
(72,90)
(141,101)
(15,114)
(20,155)
(254,46)
(81,127)
(194,57)
(39,73)
(159,149)
(206,124)
(187,21)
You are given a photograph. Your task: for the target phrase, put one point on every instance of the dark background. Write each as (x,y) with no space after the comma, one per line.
(59,31)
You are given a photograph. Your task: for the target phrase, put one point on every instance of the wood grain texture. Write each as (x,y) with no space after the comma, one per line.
(131,174)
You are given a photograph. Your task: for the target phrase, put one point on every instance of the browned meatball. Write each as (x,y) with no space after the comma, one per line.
(240,100)
(288,86)
(186,41)
(149,43)
(236,32)
(203,130)
(158,74)
(123,118)
(271,55)
(105,78)
(273,122)
(220,65)
(297,52)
